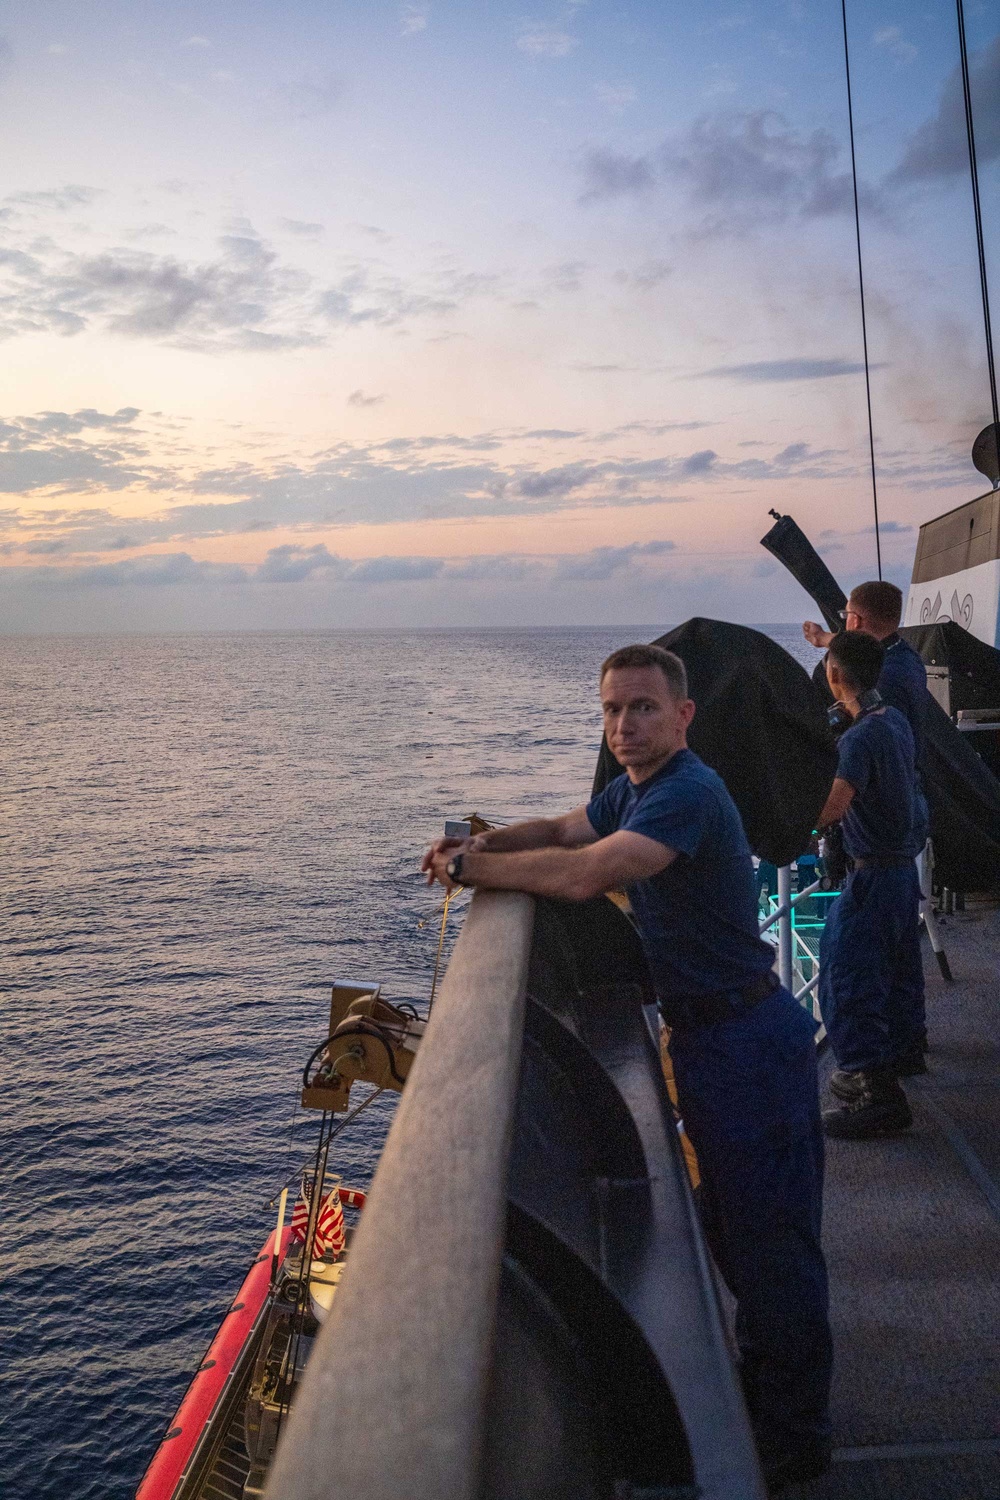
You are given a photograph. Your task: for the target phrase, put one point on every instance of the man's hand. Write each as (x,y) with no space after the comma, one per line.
(437,860)
(448,848)
(816,635)
(440,852)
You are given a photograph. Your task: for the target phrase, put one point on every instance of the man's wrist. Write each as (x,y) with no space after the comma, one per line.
(455,869)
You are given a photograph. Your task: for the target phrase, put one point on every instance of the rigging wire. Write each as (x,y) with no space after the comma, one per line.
(977,208)
(861,285)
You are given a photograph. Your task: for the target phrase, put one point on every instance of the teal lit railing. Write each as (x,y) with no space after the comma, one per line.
(798,918)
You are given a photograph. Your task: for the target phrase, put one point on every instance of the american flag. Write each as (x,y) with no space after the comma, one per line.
(300,1213)
(329,1235)
(330,1225)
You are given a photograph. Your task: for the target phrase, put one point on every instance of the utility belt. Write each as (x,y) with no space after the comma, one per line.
(723,1005)
(880,861)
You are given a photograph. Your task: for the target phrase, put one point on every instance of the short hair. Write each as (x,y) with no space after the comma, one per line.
(650,656)
(880,601)
(859,657)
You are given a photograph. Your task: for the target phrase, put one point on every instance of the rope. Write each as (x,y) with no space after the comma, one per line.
(437,958)
(861,285)
(977,208)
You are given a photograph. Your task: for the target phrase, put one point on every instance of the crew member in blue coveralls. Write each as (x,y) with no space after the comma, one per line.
(876,608)
(742,1049)
(871,973)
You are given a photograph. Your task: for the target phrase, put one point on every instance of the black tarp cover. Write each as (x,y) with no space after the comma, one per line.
(761,724)
(974,666)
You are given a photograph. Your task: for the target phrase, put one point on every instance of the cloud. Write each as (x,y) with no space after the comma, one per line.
(602,562)
(939,148)
(45,452)
(401,479)
(318,567)
(615,97)
(158,571)
(58,200)
(893,41)
(539,39)
(413,18)
(609,174)
(768,370)
(310,96)
(644,277)
(196,41)
(698,463)
(304,228)
(358,398)
(740,170)
(245,299)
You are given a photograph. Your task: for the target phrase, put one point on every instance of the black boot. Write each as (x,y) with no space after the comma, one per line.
(911,1060)
(806,1459)
(847,1086)
(880,1108)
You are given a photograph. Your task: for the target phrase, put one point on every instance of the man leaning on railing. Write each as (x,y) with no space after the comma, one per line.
(668,831)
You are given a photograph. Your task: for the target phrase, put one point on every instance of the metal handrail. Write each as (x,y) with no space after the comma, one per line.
(786,906)
(530,1219)
(393,1400)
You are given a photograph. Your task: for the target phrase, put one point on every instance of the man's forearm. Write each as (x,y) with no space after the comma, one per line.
(536,833)
(563,873)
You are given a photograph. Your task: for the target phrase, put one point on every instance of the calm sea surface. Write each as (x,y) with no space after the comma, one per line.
(199,833)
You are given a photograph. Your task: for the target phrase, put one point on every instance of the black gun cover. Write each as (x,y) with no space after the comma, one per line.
(790,545)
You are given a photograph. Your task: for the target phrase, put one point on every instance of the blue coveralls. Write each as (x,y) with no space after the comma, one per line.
(746,1085)
(902,684)
(871,988)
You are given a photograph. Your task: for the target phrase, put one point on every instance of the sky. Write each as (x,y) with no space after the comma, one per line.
(462,313)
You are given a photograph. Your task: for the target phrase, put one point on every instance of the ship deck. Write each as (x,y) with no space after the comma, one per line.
(912,1235)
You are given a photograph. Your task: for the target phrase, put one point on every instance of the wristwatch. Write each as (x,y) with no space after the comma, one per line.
(453,870)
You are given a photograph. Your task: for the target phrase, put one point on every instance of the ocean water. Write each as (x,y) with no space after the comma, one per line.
(199,833)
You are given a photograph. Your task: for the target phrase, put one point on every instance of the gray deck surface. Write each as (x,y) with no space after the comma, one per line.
(912,1235)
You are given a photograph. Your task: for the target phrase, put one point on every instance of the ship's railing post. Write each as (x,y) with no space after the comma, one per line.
(394,1398)
(785,926)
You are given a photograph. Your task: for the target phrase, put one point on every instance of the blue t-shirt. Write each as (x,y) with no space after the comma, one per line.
(902,684)
(876,757)
(698,917)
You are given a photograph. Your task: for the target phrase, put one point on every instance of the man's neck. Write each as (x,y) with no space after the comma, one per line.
(852,706)
(639,774)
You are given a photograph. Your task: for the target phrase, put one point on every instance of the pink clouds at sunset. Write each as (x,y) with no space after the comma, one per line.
(451,291)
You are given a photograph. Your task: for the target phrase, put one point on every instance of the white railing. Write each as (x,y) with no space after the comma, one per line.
(789,940)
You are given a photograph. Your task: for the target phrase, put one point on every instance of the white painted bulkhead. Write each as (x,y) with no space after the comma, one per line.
(970,597)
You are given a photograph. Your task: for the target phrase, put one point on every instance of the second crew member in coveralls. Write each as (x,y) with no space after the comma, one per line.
(871,973)
(876,608)
(743,1051)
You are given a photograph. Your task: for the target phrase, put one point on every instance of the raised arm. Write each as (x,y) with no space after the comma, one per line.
(816,635)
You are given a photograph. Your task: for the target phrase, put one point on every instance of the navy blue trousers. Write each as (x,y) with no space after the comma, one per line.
(748,1094)
(871,988)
